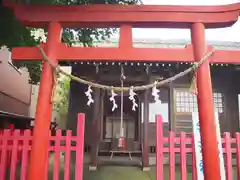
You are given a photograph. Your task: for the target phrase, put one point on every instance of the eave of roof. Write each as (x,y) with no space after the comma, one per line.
(178,42)
(15,116)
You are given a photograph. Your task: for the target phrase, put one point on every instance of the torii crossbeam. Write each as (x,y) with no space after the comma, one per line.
(197,18)
(82,54)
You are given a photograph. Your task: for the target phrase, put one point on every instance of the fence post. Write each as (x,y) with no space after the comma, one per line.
(238,154)
(183,157)
(4,154)
(228,156)
(14,154)
(171,147)
(159,148)
(57,154)
(25,151)
(48,154)
(194,166)
(80,147)
(67,157)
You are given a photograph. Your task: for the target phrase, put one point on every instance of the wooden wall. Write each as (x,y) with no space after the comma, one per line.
(224,80)
(15,90)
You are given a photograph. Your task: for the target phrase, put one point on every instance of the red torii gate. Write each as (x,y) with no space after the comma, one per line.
(197,18)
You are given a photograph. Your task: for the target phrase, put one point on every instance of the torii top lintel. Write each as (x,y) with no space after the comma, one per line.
(146,16)
(126,17)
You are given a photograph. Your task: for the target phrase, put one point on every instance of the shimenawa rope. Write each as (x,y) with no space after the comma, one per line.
(57,69)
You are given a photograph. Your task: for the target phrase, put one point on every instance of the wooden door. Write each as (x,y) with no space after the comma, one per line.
(184,104)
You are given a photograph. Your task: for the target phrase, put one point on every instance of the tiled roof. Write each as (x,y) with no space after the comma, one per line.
(172,43)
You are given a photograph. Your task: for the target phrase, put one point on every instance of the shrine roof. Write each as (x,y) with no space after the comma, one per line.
(14,116)
(171,43)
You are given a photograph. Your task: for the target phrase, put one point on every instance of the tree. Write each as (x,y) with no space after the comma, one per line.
(60,103)
(14,34)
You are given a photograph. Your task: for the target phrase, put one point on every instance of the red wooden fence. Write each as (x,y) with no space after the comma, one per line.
(184,145)
(17,146)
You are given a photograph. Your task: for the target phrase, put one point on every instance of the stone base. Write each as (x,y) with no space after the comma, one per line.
(146,169)
(92,168)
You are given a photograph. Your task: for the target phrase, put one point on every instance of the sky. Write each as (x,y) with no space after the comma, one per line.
(226,34)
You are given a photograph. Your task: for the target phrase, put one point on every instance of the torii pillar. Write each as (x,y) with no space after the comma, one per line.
(205,106)
(40,141)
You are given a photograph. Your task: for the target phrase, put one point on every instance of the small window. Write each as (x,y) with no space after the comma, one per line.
(187,102)
(218,102)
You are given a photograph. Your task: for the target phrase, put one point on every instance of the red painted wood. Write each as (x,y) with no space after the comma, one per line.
(116,15)
(205,106)
(238,154)
(194,165)
(183,156)
(108,54)
(159,148)
(10,143)
(4,152)
(24,147)
(25,153)
(67,157)
(47,164)
(228,156)
(134,8)
(21,145)
(171,139)
(80,147)
(44,108)
(1,134)
(56,165)
(121,54)
(225,56)
(171,144)
(125,39)
(14,154)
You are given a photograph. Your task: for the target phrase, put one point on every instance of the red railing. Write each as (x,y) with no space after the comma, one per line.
(184,145)
(15,149)
(17,146)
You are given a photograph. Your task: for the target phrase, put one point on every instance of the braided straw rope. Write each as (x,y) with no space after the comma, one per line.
(57,69)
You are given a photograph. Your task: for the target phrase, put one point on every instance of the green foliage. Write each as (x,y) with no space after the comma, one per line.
(60,104)
(14,34)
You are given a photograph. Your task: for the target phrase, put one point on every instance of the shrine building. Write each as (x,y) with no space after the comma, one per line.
(176,104)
